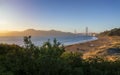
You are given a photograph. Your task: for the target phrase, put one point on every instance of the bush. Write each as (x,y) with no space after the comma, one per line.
(51,59)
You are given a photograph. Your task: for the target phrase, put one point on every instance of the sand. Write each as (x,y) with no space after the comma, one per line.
(83,47)
(94,47)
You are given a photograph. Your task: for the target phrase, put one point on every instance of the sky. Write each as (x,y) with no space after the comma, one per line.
(63,15)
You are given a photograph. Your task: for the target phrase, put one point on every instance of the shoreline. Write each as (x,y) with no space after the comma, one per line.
(88,45)
(82,41)
(98,47)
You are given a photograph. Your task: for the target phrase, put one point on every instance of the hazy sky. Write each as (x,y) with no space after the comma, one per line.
(64,15)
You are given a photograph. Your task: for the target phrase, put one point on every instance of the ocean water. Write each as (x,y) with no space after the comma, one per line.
(38,41)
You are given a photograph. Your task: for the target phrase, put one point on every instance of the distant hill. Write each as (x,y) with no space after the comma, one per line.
(34,32)
(113,32)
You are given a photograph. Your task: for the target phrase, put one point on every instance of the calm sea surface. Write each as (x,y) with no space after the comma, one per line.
(66,40)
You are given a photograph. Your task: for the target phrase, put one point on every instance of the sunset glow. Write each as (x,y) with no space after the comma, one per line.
(62,15)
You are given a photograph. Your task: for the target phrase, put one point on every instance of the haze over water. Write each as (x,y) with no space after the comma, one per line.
(65,40)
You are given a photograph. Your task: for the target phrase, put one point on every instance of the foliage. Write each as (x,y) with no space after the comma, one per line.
(113,32)
(51,59)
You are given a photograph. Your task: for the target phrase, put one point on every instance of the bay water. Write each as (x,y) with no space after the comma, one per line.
(38,41)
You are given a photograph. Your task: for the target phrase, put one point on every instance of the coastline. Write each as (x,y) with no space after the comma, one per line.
(81,41)
(88,45)
(96,47)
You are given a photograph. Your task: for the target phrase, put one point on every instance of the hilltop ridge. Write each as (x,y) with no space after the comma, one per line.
(34,32)
(112,32)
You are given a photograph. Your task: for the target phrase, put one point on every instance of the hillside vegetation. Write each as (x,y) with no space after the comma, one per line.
(109,47)
(113,32)
(51,59)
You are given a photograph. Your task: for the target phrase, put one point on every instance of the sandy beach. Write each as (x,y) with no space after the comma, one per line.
(91,47)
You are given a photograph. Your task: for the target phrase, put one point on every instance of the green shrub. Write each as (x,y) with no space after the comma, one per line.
(51,59)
